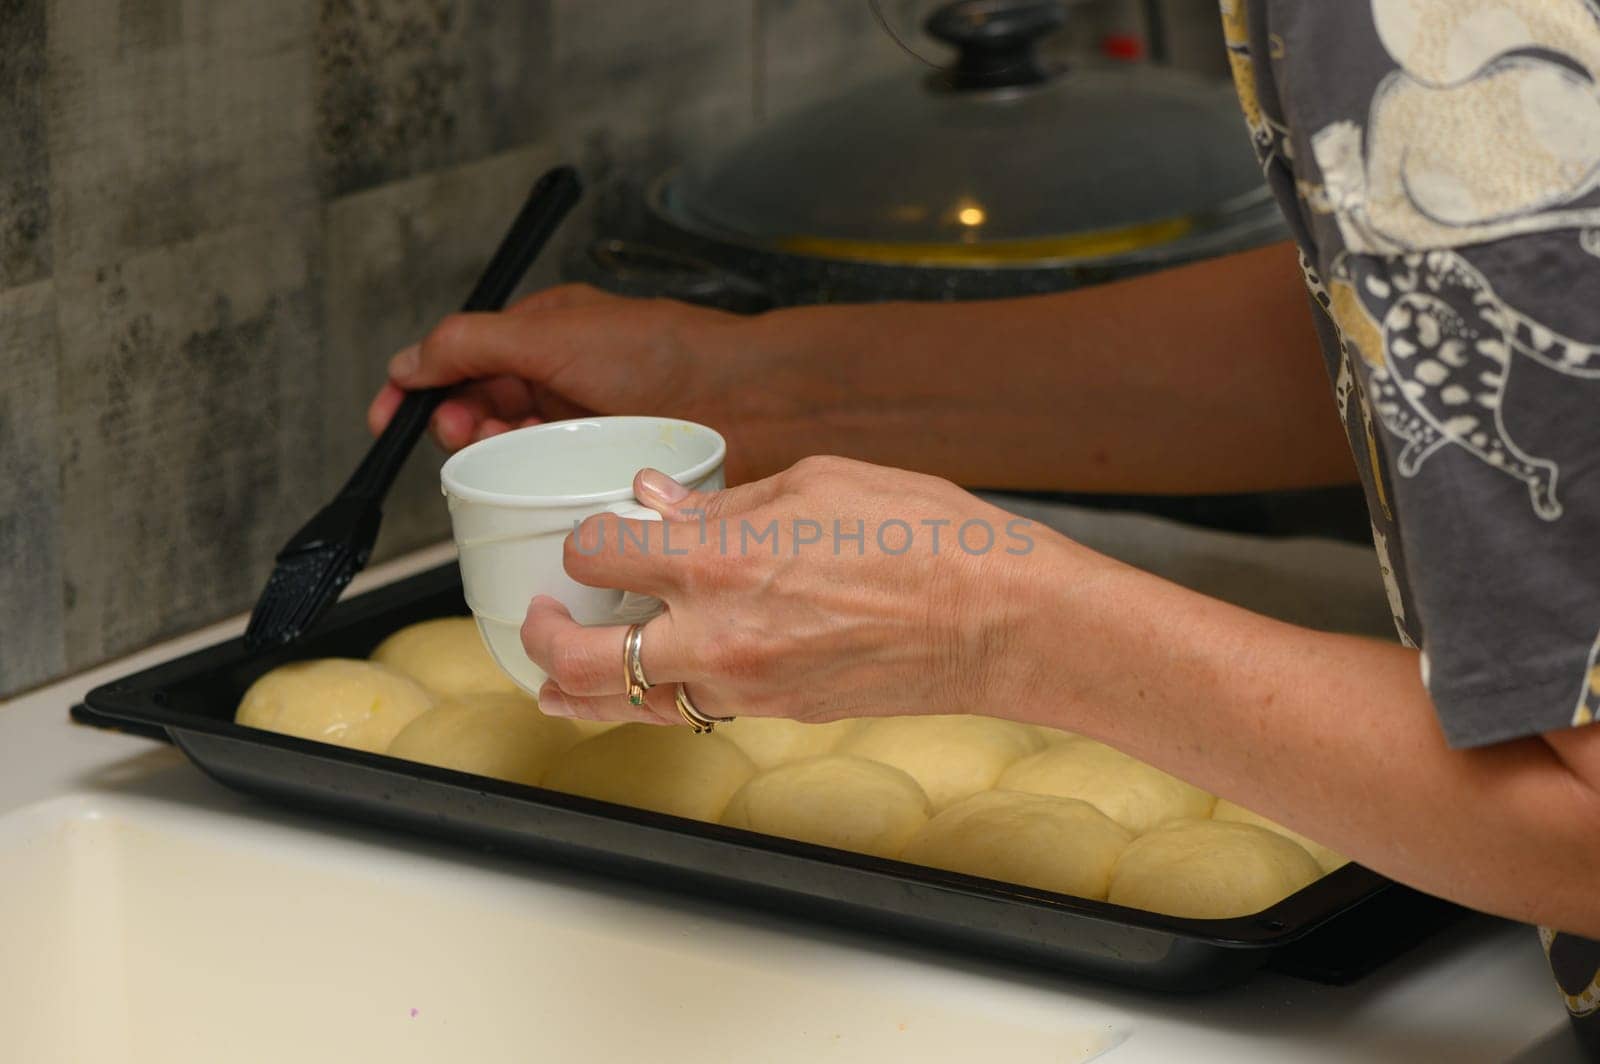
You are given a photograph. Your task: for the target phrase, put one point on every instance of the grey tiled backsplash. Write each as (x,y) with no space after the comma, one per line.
(218,219)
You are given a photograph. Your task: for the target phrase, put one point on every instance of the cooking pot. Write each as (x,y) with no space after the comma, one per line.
(998,175)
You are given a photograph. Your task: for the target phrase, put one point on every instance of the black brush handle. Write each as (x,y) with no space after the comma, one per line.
(551,197)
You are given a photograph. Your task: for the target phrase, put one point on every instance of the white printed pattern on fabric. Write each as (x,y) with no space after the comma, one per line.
(1445,42)
(1439,358)
(1489,129)
(1584,1004)
(1271,138)
(1437,364)
(1391,585)
(1588,708)
(1343,388)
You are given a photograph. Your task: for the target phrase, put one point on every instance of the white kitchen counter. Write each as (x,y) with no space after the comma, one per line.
(529,956)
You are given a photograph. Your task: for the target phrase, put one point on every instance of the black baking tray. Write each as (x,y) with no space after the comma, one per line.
(1335,930)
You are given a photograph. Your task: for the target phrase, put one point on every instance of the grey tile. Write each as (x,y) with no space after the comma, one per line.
(190,383)
(147,24)
(31,646)
(813,49)
(1089,24)
(405,86)
(1194,37)
(399,258)
(24,159)
(169,120)
(642,84)
(1193,31)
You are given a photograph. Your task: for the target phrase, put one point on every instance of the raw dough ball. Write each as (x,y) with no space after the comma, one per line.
(1326,859)
(773,741)
(334,700)
(664,768)
(447,656)
(952,757)
(502,736)
(1051,736)
(1209,870)
(1128,791)
(846,802)
(588,729)
(1058,844)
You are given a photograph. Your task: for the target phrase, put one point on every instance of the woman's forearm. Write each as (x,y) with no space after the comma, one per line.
(1333,736)
(1204,378)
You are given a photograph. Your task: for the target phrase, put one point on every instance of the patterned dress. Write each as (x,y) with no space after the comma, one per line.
(1439,164)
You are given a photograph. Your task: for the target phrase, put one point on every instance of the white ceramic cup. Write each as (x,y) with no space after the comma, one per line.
(514,499)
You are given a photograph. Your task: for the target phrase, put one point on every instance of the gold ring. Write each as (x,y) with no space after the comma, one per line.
(632,667)
(700,722)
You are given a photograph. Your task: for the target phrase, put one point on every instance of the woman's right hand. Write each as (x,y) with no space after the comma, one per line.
(574,351)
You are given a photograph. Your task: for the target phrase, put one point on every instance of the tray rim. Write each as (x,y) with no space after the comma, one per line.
(138,698)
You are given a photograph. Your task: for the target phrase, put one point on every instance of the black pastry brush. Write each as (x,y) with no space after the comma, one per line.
(316,564)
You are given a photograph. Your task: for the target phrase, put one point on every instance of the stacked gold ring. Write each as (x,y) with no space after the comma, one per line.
(700,722)
(632,667)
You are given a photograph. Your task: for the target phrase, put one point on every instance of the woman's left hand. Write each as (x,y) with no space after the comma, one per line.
(834,589)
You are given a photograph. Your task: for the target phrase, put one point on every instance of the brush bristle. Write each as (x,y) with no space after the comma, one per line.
(300,588)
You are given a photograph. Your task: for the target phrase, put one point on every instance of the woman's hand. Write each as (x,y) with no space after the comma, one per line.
(831,590)
(575,351)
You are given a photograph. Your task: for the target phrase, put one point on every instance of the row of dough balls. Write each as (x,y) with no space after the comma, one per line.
(430,693)
(986,797)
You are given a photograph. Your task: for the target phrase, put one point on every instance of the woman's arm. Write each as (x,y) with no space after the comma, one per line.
(1205,378)
(1332,735)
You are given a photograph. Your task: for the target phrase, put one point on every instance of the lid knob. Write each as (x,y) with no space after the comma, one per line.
(996,40)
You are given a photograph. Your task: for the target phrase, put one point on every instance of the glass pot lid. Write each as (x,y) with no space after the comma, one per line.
(996,159)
